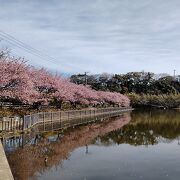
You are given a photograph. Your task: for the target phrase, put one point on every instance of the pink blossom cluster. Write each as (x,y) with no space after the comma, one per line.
(29,85)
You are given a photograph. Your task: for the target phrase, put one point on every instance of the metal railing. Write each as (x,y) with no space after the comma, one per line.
(58,119)
(10,124)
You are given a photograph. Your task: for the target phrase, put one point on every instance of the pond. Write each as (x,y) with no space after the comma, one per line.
(144,144)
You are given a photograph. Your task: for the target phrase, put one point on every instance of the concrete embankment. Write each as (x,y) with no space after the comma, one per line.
(5,171)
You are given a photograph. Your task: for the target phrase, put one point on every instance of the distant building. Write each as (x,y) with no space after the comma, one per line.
(161,75)
(177,78)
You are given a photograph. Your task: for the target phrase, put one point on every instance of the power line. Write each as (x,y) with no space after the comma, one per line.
(21,47)
(15,42)
(25,49)
(24,45)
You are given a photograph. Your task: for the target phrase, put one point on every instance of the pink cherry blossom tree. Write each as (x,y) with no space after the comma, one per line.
(31,85)
(15,82)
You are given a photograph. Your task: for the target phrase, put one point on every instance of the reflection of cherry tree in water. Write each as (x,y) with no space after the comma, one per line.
(25,162)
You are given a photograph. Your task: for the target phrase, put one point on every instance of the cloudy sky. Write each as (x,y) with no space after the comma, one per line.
(114,36)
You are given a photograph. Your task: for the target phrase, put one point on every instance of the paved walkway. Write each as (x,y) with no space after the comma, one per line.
(5,172)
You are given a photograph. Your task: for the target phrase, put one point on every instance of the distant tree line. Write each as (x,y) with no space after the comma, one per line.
(142,87)
(133,82)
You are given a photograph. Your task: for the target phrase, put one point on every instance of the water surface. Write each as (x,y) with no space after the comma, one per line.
(140,145)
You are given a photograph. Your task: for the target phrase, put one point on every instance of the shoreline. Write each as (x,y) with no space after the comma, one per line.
(5,171)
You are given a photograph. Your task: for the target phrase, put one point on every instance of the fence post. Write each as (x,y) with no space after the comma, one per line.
(52,120)
(43,121)
(2,125)
(5,125)
(80,116)
(25,123)
(22,124)
(60,118)
(30,121)
(8,126)
(13,123)
(19,120)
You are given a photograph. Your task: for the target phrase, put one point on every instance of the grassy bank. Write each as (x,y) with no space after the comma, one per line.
(166,101)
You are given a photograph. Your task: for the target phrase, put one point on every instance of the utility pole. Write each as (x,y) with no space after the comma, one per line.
(174,74)
(85,74)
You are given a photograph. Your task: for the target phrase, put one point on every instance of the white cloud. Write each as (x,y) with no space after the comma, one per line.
(97,35)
